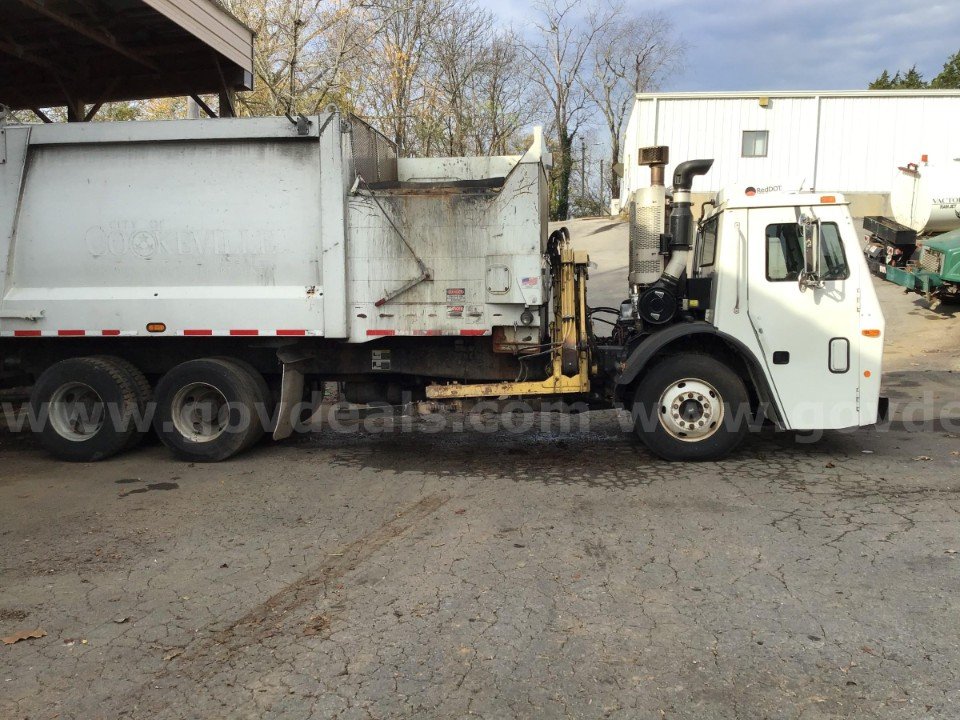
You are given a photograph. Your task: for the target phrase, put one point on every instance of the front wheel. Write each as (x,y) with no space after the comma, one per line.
(691,407)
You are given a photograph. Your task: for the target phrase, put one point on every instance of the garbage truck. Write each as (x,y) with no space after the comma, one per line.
(200,279)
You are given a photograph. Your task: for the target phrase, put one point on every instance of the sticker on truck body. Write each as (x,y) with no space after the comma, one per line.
(381,360)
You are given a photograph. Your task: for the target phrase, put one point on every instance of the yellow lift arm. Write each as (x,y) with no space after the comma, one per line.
(570,355)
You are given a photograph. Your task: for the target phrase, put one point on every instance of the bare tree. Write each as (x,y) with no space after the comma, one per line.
(477,71)
(558,53)
(394,88)
(503,100)
(458,55)
(305,52)
(629,56)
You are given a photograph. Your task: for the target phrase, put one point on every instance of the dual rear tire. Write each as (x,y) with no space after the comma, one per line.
(206,410)
(211,409)
(90,408)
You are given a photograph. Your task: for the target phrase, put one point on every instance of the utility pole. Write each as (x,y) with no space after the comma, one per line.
(602,204)
(583,169)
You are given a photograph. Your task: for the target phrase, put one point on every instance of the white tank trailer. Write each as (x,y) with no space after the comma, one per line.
(926,198)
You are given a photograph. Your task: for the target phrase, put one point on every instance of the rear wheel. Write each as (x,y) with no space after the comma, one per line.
(265,408)
(691,407)
(144,396)
(207,409)
(87,407)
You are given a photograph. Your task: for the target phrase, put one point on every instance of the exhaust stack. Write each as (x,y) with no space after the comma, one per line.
(681,219)
(648,221)
(658,303)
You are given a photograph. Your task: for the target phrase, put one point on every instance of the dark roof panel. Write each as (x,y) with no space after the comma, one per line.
(58,52)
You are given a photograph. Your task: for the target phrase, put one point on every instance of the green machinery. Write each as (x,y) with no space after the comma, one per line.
(932,270)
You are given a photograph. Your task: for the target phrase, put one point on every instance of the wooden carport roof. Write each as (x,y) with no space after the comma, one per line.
(87,52)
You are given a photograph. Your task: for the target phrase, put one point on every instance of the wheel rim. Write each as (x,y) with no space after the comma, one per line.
(200,412)
(691,410)
(77,412)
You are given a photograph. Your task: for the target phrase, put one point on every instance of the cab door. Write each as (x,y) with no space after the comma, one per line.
(809,336)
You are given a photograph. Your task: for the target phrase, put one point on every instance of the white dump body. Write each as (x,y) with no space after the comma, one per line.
(249,227)
(927,198)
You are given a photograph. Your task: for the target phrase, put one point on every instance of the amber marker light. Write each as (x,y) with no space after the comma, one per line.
(156,327)
(828,198)
(873,332)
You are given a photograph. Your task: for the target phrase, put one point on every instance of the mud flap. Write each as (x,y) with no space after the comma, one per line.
(291,397)
(883,409)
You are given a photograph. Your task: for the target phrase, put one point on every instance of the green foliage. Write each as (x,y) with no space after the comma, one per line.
(910,80)
(949,77)
(883,82)
(589,205)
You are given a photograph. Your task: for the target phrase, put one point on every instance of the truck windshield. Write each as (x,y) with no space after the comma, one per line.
(785,252)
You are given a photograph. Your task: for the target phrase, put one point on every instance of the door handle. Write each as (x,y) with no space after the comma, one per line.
(838,355)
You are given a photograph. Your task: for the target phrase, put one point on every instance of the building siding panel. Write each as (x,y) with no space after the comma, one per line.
(856,146)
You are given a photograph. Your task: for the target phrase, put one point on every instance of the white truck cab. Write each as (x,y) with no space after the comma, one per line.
(762,312)
(820,340)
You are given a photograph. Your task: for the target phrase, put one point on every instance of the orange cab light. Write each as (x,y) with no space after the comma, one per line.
(871,333)
(156,327)
(828,198)
(866,373)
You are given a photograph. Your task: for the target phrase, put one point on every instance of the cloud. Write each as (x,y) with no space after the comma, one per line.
(797,44)
(815,44)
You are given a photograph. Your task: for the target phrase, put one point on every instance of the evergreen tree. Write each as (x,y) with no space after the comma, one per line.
(883,82)
(912,80)
(949,77)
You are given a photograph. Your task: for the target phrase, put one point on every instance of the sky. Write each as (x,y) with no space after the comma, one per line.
(798,44)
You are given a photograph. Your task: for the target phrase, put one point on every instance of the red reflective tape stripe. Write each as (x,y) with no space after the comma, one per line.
(71,333)
(26,333)
(110,332)
(473,333)
(198,332)
(379,333)
(291,332)
(244,332)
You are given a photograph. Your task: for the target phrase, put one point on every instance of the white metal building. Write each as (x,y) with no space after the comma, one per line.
(846,141)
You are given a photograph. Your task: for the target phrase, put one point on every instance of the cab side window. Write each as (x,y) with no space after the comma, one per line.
(708,242)
(785,252)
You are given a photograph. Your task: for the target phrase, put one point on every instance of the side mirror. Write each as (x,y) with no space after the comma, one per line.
(810,232)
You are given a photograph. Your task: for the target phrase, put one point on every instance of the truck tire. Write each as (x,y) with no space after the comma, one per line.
(87,406)
(206,410)
(691,407)
(144,396)
(265,397)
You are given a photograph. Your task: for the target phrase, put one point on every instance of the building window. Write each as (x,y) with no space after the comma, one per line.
(755,143)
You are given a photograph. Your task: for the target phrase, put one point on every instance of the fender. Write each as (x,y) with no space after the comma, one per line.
(651,348)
